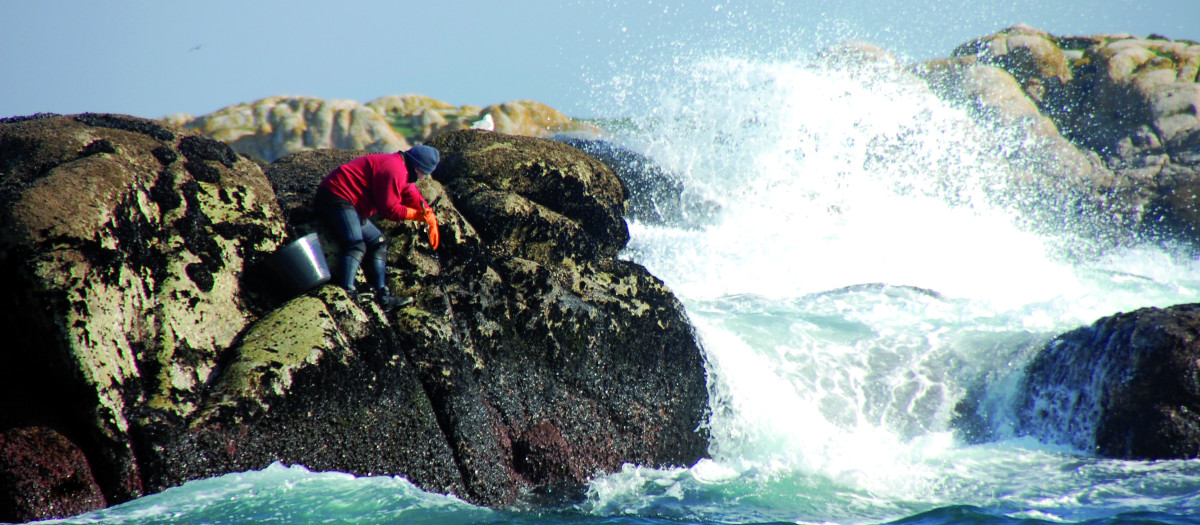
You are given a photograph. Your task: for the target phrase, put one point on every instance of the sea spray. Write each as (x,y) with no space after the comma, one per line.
(868,268)
(833,177)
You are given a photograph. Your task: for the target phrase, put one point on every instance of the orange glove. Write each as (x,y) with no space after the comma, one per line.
(431,221)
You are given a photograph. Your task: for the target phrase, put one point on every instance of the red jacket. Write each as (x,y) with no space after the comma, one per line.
(377,184)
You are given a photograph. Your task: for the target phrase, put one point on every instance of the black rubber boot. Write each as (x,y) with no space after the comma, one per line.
(389,301)
(349,269)
(374,264)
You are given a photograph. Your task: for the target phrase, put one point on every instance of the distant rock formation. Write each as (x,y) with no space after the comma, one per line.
(420,118)
(270,128)
(147,345)
(417,117)
(1117,121)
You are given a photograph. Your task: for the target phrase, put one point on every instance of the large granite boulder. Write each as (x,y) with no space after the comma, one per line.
(1124,387)
(125,246)
(548,358)
(1131,103)
(145,337)
(275,126)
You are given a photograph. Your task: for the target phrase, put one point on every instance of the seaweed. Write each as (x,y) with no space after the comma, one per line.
(97,147)
(131,124)
(23,118)
(199,148)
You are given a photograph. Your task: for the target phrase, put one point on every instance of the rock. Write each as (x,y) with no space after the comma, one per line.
(1123,387)
(43,475)
(554,206)
(656,196)
(1130,87)
(145,336)
(269,129)
(529,118)
(990,92)
(126,245)
(1058,180)
(417,117)
(1030,55)
(544,358)
(404,105)
(320,382)
(1127,106)
(273,127)
(178,119)
(536,331)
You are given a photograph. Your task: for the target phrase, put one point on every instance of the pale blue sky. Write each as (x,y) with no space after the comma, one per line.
(151,58)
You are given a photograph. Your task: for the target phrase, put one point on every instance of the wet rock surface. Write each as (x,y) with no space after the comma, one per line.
(1114,121)
(145,332)
(43,474)
(1124,387)
(124,245)
(1113,125)
(656,196)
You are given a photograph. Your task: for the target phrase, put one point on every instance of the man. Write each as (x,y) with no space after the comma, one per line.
(378,184)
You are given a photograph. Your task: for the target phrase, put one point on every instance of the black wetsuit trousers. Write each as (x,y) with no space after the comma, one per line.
(356,237)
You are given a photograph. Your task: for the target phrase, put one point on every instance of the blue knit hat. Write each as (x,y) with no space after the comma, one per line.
(425,158)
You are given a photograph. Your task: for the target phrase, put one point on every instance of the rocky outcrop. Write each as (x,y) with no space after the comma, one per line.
(420,118)
(268,129)
(528,118)
(43,474)
(1123,387)
(542,351)
(656,196)
(1113,134)
(417,117)
(125,245)
(273,127)
(319,381)
(1125,139)
(143,331)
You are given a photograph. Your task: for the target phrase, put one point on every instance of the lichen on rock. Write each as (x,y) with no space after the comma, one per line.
(130,273)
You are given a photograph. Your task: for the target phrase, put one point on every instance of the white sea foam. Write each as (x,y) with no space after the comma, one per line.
(858,280)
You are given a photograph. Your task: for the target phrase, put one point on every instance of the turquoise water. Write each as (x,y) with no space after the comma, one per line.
(858,282)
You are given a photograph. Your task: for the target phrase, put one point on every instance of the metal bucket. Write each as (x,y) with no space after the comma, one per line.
(300,265)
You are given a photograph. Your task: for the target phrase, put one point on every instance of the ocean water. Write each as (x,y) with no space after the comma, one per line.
(860,278)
